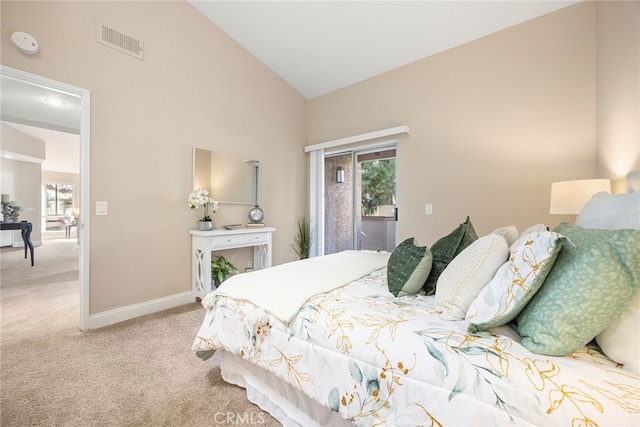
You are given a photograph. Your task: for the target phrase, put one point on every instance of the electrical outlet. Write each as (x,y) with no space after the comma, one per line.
(428,209)
(249,264)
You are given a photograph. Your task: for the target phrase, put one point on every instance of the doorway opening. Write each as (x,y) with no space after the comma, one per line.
(23,94)
(360,200)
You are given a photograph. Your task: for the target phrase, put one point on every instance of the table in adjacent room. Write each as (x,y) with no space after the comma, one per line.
(25,230)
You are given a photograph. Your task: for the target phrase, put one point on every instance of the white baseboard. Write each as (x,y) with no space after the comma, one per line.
(121,314)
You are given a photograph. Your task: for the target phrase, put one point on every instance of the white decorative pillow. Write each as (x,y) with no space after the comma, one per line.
(510,233)
(531,258)
(467,274)
(621,341)
(538,228)
(604,209)
(629,219)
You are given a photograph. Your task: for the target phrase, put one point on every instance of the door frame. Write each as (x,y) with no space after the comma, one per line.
(84,235)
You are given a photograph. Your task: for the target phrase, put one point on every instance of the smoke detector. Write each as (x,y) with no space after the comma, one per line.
(24,42)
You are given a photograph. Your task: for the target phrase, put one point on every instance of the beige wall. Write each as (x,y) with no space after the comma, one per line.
(16,142)
(493,123)
(618,93)
(195,87)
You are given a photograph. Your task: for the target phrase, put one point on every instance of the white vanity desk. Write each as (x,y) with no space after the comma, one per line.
(204,242)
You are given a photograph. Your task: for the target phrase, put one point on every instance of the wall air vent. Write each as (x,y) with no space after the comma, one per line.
(111,37)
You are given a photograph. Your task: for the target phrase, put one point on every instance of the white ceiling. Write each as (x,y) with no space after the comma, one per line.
(321,46)
(23,108)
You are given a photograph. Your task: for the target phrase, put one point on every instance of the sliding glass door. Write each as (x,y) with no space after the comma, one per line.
(359,200)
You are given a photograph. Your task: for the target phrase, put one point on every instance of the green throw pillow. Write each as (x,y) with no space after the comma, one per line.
(446,249)
(407,268)
(594,278)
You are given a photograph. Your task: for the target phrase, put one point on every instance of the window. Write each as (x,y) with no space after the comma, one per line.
(59,199)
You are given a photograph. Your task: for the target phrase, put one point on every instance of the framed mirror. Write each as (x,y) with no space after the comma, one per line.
(229,178)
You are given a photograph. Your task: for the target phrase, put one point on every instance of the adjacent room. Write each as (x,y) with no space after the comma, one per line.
(200,150)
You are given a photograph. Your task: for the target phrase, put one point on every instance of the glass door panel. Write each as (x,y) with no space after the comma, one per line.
(359,193)
(378,200)
(338,205)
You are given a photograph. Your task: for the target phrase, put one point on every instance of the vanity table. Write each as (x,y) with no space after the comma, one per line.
(204,242)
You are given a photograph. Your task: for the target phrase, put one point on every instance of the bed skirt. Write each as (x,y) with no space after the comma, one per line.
(283,401)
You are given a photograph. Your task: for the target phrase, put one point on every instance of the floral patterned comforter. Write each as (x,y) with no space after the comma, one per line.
(381,360)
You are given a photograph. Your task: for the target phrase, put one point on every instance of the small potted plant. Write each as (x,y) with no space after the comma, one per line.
(221,268)
(302,239)
(200,197)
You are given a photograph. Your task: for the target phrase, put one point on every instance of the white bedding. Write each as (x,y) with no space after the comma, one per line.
(379,360)
(267,287)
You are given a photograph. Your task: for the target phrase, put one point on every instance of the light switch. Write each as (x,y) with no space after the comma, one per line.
(102,208)
(428,209)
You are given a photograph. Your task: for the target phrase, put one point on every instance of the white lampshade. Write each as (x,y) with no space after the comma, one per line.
(568,197)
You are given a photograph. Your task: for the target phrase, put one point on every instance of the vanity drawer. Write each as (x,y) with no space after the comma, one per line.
(256,238)
(222,241)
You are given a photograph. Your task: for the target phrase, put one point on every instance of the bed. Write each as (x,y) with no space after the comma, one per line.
(537,327)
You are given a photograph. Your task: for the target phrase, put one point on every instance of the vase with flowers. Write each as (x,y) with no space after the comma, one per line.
(200,197)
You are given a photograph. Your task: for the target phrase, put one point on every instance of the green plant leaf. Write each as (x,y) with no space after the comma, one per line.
(302,239)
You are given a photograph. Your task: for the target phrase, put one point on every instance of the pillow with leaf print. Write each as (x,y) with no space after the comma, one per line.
(593,280)
(536,228)
(408,268)
(531,258)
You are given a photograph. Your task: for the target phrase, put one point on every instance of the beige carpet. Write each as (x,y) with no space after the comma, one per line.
(136,373)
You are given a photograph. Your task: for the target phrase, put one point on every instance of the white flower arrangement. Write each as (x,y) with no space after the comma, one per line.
(200,197)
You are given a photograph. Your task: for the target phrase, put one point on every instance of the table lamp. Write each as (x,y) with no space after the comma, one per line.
(569,197)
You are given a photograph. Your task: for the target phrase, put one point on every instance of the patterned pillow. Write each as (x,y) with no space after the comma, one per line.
(445,249)
(408,268)
(531,258)
(468,273)
(536,228)
(595,277)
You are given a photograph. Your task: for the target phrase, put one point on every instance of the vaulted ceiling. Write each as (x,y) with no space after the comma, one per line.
(321,46)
